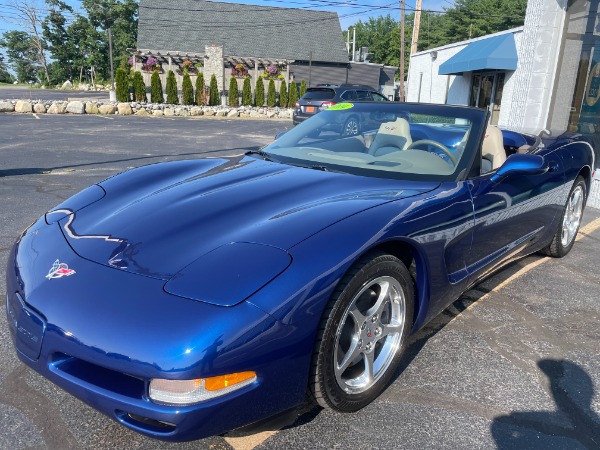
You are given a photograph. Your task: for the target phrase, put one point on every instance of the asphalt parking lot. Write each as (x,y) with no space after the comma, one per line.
(25,93)
(513,363)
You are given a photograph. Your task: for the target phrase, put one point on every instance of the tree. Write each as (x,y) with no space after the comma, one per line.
(271,95)
(247,92)
(259,92)
(122,85)
(5,76)
(233,99)
(200,90)
(213,96)
(302,88)
(172,95)
(293,96)
(156,90)
(21,54)
(121,17)
(283,95)
(26,14)
(187,90)
(139,87)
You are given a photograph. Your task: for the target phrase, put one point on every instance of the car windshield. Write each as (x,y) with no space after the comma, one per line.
(390,140)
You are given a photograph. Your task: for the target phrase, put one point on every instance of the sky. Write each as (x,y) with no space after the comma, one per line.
(349,11)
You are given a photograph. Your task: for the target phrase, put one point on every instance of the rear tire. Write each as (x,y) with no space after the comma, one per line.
(565,235)
(363,334)
(351,127)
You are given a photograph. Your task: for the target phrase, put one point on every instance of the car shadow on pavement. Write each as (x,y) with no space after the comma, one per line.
(574,419)
(47,170)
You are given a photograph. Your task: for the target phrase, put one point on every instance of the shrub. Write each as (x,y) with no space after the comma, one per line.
(187,90)
(259,92)
(293,97)
(247,92)
(200,90)
(172,97)
(271,95)
(122,85)
(302,88)
(139,87)
(283,95)
(156,91)
(213,96)
(234,93)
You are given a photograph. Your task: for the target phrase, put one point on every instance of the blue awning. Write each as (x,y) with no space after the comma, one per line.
(494,53)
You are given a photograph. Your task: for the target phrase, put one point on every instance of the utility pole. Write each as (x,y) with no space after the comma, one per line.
(112,93)
(353,42)
(401,86)
(416,26)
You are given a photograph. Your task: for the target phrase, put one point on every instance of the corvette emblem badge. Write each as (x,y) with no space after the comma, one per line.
(59,270)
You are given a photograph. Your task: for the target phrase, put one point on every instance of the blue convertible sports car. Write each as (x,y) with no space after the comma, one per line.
(188,298)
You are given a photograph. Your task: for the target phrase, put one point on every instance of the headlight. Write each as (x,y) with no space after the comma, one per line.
(185,392)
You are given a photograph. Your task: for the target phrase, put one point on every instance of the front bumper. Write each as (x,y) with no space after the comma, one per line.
(103,334)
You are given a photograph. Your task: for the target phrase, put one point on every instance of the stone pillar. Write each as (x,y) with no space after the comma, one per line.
(214,65)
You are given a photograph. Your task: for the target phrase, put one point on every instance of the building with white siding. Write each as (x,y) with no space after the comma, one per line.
(542,78)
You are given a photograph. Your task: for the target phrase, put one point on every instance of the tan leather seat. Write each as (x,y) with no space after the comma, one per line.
(391,137)
(493,147)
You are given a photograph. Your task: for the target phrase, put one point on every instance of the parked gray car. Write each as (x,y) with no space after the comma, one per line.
(322,96)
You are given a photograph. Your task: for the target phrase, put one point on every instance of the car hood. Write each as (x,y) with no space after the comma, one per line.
(158,219)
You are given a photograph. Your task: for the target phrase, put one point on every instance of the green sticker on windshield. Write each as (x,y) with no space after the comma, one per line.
(340,106)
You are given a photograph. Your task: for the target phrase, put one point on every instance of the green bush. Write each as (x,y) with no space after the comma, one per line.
(200,90)
(213,96)
(259,92)
(283,95)
(247,92)
(302,88)
(172,97)
(233,99)
(156,90)
(139,88)
(122,85)
(293,96)
(187,90)
(271,95)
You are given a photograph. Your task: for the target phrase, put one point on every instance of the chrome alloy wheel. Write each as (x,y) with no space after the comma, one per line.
(351,127)
(572,216)
(369,334)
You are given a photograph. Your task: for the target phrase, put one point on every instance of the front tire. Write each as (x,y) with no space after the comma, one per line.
(565,235)
(363,334)
(351,127)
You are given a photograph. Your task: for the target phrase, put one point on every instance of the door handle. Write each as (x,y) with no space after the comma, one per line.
(552,166)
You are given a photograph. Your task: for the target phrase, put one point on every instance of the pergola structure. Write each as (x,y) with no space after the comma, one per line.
(175,58)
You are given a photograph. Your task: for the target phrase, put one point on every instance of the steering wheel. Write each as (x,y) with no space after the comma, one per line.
(442,147)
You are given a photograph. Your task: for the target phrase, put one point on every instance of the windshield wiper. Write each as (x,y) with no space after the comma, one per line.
(260,153)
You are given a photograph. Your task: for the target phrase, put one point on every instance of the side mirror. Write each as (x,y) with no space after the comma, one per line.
(521,165)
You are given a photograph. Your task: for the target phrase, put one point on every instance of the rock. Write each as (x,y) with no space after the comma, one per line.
(181,111)
(254,113)
(270,114)
(23,107)
(233,113)
(84,87)
(220,113)
(124,109)
(39,108)
(107,109)
(157,113)
(67,85)
(57,108)
(76,107)
(245,114)
(196,111)
(169,112)
(6,107)
(209,112)
(91,108)
(142,112)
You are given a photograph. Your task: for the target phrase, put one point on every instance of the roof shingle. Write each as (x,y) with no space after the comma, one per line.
(243,30)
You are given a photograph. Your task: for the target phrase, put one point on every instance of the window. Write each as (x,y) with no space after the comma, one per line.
(349,95)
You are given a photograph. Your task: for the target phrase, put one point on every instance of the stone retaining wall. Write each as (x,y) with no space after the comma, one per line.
(139,109)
